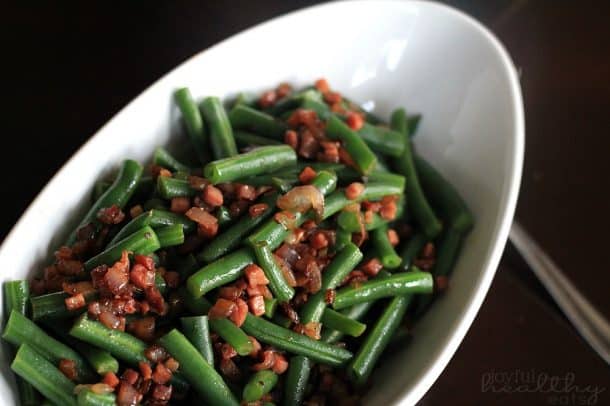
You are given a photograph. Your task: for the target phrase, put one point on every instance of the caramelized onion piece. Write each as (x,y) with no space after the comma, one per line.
(301,199)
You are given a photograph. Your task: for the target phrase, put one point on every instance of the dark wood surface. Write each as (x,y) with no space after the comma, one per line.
(68,68)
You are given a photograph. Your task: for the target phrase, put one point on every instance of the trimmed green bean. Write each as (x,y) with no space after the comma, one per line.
(143,241)
(225,328)
(117,194)
(297,378)
(101,361)
(384,249)
(246,139)
(337,201)
(221,133)
(19,330)
(270,306)
(411,250)
(259,384)
(376,341)
(163,158)
(277,283)
(259,161)
(295,343)
(197,330)
(169,188)
(356,312)
(352,221)
(121,345)
(155,204)
(154,218)
(43,375)
(53,306)
(443,196)
(220,272)
(200,374)
(343,263)
(246,118)
(193,123)
(232,236)
(342,238)
(100,187)
(418,203)
(395,285)
(170,236)
(223,215)
(398,181)
(16,297)
(382,139)
(340,322)
(360,153)
(413,123)
(87,397)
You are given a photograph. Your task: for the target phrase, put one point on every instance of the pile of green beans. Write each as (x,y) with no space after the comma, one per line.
(334,303)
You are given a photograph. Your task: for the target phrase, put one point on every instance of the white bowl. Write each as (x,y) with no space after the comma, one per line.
(427,57)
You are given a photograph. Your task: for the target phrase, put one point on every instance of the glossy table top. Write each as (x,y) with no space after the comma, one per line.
(70,68)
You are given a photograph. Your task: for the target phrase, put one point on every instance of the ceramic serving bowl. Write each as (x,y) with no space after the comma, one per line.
(427,57)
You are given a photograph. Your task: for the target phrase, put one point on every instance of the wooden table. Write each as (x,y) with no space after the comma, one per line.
(69,68)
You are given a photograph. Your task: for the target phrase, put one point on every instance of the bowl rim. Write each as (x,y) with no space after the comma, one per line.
(507,206)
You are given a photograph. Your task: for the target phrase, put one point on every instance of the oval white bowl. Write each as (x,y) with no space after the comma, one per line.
(427,57)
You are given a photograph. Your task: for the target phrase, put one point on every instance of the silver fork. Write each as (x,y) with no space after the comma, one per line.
(591,325)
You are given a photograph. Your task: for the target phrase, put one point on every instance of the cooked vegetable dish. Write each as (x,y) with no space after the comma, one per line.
(297,239)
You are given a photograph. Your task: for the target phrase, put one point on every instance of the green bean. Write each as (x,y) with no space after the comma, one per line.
(118,194)
(273,233)
(101,361)
(259,161)
(337,201)
(360,153)
(247,99)
(399,284)
(246,118)
(223,215)
(342,264)
(447,251)
(86,397)
(246,139)
(352,221)
(297,378)
(220,272)
(296,100)
(261,383)
(180,175)
(388,178)
(185,265)
(221,134)
(283,183)
(281,320)
(200,374)
(170,236)
(342,238)
(121,345)
(169,188)
(163,158)
(418,204)
(413,123)
(160,283)
(384,249)
(340,322)
(19,330)
(232,236)
(277,283)
(154,218)
(356,312)
(376,341)
(193,123)
(52,306)
(225,328)
(16,297)
(411,250)
(143,241)
(295,343)
(270,306)
(443,196)
(197,330)
(42,374)
(382,139)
